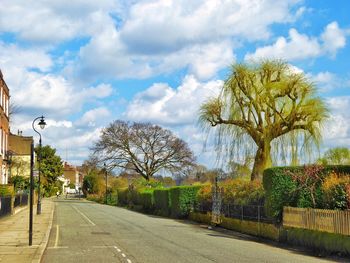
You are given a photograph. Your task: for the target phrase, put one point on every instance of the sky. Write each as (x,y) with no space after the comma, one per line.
(84,63)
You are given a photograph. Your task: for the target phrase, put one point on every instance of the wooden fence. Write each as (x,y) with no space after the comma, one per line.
(332,221)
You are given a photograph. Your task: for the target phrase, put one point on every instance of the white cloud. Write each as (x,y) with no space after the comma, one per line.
(333,38)
(158,37)
(337,128)
(163,26)
(300,46)
(91,117)
(165,105)
(11,56)
(52,21)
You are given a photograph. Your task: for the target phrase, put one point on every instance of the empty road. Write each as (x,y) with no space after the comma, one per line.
(83,231)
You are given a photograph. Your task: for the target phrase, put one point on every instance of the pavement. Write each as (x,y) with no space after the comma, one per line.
(14,234)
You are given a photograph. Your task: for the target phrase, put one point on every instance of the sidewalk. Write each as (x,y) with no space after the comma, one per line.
(14,232)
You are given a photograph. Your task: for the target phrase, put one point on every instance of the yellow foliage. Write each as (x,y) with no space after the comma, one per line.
(334,179)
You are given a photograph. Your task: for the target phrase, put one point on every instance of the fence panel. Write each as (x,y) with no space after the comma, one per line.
(242,212)
(332,221)
(5,205)
(24,199)
(17,200)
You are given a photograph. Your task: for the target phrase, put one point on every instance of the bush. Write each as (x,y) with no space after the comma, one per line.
(6,190)
(299,186)
(95,198)
(146,200)
(243,192)
(183,199)
(318,241)
(122,196)
(336,191)
(162,201)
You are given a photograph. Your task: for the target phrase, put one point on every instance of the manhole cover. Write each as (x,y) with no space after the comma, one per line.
(100,233)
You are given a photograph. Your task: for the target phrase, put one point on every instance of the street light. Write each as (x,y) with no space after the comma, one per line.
(42,125)
(105,168)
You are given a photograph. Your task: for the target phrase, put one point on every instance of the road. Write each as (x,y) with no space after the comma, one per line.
(83,231)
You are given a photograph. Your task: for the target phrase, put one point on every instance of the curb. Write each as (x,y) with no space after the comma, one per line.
(20,209)
(40,250)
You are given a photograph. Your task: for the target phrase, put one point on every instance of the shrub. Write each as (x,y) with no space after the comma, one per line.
(122,196)
(299,186)
(145,198)
(6,190)
(182,199)
(243,192)
(95,198)
(319,241)
(335,188)
(162,201)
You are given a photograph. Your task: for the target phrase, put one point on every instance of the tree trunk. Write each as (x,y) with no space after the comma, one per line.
(262,160)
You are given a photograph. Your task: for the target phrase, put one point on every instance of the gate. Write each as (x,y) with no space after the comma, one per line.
(217,194)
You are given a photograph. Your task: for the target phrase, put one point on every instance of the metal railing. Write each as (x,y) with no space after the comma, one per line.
(242,212)
(5,205)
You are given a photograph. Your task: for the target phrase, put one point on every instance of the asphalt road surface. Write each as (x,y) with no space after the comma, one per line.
(84,231)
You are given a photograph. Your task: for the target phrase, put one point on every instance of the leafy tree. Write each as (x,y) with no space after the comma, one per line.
(265,105)
(19,182)
(143,148)
(51,167)
(93,184)
(337,156)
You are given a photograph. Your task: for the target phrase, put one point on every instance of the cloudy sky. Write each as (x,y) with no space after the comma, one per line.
(84,63)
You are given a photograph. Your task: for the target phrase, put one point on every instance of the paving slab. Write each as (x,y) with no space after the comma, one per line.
(14,234)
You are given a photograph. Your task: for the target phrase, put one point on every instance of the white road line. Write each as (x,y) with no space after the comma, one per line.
(123,255)
(56,247)
(92,223)
(128,260)
(57,235)
(119,250)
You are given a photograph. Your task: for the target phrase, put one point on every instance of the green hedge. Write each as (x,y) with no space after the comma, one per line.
(123,196)
(146,200)
(281,190)
(319,241)
(162,201)
(6,190)
(182,199)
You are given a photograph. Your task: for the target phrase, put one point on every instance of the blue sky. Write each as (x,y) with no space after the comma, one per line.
(84,63)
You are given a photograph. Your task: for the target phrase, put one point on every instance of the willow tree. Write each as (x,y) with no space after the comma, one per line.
(265,105)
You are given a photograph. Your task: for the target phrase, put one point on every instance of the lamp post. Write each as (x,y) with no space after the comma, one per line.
(105,168)
(42,125)
(31,199)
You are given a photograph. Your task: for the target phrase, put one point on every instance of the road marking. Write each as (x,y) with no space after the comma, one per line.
(103,246)
(88,219)
(57,235)
(56,247)
(123,255)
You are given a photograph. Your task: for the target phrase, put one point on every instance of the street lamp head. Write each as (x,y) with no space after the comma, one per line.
(42,122)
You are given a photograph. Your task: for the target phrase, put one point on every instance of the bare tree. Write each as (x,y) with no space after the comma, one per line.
(142,147)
